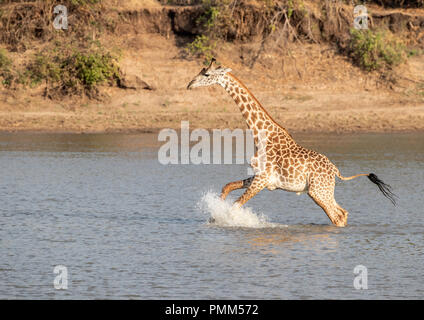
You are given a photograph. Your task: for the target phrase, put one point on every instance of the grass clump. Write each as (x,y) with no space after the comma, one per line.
(375,50)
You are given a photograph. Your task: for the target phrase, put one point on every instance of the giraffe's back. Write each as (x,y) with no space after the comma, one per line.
(294,166)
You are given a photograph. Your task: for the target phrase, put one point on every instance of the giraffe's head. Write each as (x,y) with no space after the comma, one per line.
(208,76)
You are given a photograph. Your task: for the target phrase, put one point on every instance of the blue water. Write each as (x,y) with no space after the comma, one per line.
(127,227)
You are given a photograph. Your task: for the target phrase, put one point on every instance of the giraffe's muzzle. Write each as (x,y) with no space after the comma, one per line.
(190,84)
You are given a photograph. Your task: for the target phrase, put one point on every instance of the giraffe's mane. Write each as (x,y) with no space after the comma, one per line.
(257,102)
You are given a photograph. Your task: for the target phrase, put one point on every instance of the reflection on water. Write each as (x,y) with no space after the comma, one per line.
(128,227)
(295,234)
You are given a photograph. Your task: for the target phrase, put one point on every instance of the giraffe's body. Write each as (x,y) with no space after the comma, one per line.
(279,163)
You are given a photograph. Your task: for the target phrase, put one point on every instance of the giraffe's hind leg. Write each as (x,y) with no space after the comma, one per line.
(241,184)
(324,197)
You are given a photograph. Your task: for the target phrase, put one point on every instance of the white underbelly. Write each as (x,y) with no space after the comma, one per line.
(298,185)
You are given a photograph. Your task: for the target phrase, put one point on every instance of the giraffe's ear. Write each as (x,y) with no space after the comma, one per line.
(213,60)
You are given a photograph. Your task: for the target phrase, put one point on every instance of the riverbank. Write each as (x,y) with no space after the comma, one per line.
(306,86)
(327,99)
(326,115)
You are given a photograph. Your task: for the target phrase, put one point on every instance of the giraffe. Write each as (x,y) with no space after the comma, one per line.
(283,164)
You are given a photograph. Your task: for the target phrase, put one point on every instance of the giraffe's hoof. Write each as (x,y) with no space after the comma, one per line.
(341,224)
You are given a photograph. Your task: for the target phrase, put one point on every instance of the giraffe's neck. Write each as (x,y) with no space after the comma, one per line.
(257,119)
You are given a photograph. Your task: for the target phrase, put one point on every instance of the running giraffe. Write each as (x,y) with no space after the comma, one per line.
(283,164)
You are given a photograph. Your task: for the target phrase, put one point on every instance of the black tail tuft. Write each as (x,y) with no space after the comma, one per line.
(384,188)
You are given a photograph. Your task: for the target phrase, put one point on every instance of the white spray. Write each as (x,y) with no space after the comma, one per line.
(224,213)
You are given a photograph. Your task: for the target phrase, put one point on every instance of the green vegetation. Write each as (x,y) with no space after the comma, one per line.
(74,71)
(41,68)
(202,46)
(218,22)
(209,18)
(230,20)
(64,70)
(375,50)
(4,59)
(414,52)
(67,65)
(71,64)
(5,65)
(93,68)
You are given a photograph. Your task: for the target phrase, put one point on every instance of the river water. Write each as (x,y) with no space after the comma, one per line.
(125,226)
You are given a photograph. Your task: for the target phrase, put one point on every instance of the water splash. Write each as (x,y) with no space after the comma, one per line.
(223,213)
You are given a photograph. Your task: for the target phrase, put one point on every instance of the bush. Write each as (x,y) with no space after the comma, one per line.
(202,46)
(375,50)
(94,68)
(74,71)
(42,68)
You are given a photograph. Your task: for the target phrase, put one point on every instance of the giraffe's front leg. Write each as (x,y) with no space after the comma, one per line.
(240,184)
(234,186)
(258,183)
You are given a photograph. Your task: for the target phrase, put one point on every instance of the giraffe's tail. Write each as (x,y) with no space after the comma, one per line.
(384,188)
